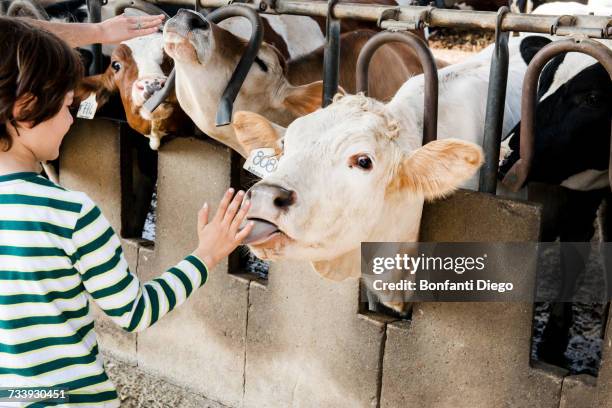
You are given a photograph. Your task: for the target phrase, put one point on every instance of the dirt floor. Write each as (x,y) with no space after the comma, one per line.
(138,389)
(454,46)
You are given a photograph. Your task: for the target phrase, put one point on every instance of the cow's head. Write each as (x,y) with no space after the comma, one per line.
(572,128)
(206,55)
(348,173)
(138,68)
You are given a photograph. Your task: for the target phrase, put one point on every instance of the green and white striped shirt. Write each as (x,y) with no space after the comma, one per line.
(57,251)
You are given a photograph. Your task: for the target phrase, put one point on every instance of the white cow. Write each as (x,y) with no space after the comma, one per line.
(355,171)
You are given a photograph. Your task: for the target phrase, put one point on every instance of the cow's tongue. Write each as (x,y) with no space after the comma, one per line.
(261,230)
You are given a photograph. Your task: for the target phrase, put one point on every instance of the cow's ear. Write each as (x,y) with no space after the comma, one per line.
(438,168)
(302,100)
(102,85)
(255,132)
(531,45)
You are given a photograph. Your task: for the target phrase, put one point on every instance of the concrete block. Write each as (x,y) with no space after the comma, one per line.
(470,216)
(307,346)
(473,355)
(468,354)
(604,380)
(200,345)
(578,392)
(90,162)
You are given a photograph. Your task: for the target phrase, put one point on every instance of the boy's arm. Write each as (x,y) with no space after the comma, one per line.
(111,31)
(106,276)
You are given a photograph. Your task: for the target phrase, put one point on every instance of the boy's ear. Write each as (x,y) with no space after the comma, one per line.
(438,168)
(255,132)
(102,85)
(24,105)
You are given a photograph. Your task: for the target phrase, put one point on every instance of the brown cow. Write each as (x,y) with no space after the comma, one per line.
(138,68)
(297,35)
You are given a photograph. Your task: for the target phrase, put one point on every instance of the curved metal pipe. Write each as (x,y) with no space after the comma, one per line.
(496,100)
(517,175)
(226,103)
(430,111)
(94,8)
(158,97)
(121,5)
(331,55)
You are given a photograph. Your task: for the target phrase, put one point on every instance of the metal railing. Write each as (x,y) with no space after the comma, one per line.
(410,17)
(407,18)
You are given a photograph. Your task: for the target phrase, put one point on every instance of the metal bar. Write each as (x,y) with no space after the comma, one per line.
(430,72)
(158,97)
(331,55)
(149,8)
(496,98)
(95,16)
(226,104)
(592,26)
(517,175)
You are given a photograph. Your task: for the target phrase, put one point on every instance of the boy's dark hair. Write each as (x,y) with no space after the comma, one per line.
(35,65)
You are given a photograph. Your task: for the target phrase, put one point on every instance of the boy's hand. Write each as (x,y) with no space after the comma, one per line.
(219,237)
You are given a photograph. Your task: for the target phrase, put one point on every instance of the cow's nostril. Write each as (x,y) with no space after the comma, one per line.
(284,198)
(194,21)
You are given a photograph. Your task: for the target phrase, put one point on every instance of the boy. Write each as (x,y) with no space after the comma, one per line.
(57,250)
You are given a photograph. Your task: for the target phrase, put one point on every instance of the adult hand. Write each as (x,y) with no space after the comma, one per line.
(122,28)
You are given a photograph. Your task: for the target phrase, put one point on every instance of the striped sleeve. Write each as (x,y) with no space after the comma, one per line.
(106,275)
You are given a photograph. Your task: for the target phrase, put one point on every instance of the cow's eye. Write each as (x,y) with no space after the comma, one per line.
(362,161)
(116,65)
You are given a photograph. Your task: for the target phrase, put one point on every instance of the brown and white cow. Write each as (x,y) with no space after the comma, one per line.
(138,68)
(205,56)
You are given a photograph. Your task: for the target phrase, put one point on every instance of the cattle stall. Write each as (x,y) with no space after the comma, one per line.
(295,338)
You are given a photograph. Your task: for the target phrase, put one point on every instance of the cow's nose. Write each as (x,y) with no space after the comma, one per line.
(150,85)
(280,197)
(194,20)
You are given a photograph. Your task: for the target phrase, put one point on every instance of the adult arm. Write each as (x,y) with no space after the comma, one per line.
(111,31)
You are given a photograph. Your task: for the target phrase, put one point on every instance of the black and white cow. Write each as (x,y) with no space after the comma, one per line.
(572,130)
(571,151)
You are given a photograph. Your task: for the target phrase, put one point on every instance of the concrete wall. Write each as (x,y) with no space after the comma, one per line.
(299,340)
(90,162)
